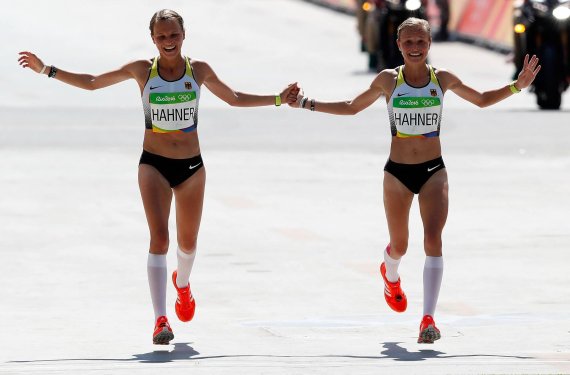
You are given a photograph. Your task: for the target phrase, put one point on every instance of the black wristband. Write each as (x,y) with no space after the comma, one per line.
(52,71)
(312,104)
(303,102)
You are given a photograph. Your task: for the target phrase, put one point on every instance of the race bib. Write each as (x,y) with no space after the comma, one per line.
(417,116)
(172,111)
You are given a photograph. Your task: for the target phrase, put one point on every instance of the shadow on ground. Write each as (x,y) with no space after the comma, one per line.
(184,352)
(394,351)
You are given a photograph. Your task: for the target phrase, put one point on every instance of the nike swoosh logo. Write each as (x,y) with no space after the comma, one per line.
(396,95)
(154,87)
(194,166)
(431,169)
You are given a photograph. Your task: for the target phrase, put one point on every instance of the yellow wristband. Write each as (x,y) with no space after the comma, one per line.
(513,88)
(277,100)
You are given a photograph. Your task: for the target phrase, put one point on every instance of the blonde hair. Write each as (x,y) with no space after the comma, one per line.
(414,22)
(165,14)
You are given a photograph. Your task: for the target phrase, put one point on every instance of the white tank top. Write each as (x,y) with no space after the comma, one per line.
(415,111)
(171,106)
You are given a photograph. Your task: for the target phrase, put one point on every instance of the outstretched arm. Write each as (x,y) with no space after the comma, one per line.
(83,81)
(242,99)
(484,99)
(377,88)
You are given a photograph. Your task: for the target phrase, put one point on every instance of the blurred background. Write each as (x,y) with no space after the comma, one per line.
(485,22)
(511,27)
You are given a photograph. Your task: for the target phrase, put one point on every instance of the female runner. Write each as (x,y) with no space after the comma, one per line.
(414,95)
(170,164)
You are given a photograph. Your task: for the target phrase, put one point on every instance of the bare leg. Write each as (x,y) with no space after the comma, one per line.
(157,197)
(433,201)
(189,202)
(397,203)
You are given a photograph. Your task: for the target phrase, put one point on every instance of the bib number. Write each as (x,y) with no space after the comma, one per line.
(417,116)
(173,111)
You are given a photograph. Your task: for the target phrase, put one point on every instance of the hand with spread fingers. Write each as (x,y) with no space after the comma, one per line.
(528,73)
(29,60)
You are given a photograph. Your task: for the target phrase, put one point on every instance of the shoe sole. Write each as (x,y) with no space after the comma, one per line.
(429,335)
(163,338)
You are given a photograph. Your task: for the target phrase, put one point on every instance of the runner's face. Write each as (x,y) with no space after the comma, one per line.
(168,36)
(414,44)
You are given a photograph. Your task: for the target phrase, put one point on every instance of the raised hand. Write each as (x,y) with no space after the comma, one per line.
(528,73)
(29,60)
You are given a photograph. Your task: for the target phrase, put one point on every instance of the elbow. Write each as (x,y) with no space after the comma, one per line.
(351,109)
(90,84)
(480,102)
(486,100)
(233,101)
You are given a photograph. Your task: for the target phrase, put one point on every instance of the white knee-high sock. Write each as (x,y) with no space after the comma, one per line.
(185,263)
(156,269)
(391,267)
(433,273)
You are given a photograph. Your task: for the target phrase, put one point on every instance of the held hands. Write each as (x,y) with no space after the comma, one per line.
(528,73)
(29,60)
(297,102)
(289,94)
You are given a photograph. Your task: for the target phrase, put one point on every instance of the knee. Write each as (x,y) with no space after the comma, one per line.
(433,244)
(159,243)
(398,248)
(188,246)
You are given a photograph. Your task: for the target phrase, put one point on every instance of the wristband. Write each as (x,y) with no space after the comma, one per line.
(52,72)
(312,104)
(277,100)
(43,69)
(303,101)
(513,88)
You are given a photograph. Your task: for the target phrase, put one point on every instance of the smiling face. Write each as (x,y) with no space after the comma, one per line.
(414,42)
(168,35)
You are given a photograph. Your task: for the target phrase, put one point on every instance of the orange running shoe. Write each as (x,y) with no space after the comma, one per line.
(428,331)
(393,293)
(185,304)
(162,332)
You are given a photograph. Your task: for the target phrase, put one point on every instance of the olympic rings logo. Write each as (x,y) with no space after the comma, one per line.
(185,97)
(428,102)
